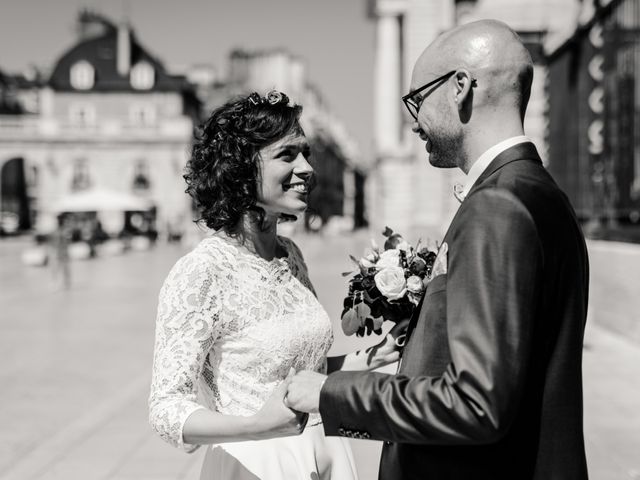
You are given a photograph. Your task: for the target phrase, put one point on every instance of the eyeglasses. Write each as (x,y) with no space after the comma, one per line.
(413,100)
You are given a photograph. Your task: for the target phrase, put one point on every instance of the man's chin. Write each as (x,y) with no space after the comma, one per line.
(435,161)
(439,162)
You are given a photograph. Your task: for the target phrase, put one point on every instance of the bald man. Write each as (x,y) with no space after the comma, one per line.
(490,382)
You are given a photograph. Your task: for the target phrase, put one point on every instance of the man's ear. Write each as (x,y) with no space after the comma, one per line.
(463,82)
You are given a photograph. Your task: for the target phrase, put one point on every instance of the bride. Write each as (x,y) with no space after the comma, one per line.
(238,314)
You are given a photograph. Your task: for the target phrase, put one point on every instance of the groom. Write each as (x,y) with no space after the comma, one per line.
(490,383)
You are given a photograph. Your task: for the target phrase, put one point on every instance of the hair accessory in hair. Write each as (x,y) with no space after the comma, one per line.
(273,97)
(255,99)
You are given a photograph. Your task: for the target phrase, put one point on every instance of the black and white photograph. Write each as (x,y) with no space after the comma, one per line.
(320,240)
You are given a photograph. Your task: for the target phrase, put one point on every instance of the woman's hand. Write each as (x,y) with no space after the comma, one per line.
(275,419)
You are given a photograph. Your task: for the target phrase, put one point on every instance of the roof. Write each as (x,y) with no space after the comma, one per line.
(9,104)
(101,52)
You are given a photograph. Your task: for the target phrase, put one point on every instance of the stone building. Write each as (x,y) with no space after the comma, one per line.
(108,117)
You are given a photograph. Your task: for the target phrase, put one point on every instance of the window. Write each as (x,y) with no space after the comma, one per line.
(142,76)
(81,179)
(82,75)
(142,114)
(82,114)
(635,184)
(141,177)
(33,176)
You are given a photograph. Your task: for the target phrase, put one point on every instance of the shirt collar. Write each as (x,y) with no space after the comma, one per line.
(487,157)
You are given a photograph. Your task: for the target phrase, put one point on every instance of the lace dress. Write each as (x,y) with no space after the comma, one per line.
(229,327)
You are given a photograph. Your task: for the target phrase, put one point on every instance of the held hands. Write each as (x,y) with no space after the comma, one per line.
(303,392)
(276,418)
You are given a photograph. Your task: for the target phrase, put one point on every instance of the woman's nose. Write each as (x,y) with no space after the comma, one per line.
(302,166)
(415,128)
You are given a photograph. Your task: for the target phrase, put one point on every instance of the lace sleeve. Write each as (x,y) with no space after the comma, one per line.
(185,330)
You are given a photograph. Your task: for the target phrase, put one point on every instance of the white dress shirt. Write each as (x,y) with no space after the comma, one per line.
(486,158)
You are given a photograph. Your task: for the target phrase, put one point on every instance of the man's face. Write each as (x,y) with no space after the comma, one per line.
(437,123)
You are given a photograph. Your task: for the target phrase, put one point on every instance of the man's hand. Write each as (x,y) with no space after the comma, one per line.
(388,350)
(303,392)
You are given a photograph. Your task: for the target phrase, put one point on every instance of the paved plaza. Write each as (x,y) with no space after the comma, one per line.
(76,370)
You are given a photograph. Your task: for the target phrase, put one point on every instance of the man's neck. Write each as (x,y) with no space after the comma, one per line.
(483,140)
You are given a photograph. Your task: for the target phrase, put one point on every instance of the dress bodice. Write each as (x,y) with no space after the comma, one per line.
(230,325)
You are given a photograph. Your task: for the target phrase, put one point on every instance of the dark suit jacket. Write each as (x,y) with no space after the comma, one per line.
(490,384)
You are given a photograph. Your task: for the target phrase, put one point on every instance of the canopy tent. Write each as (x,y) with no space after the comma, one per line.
(101,200)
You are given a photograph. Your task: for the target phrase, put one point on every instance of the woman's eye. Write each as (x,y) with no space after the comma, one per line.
(289,155)
(285,155)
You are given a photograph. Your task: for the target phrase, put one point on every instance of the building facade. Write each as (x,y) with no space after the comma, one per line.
(108,117)
(406,192)
(595,118)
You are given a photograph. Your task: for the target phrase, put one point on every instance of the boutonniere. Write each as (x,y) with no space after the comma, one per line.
(440,263)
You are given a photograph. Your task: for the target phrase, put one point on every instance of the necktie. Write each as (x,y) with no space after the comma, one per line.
(457,192)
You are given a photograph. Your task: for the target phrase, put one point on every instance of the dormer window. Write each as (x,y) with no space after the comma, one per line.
(82,75)
(142,76)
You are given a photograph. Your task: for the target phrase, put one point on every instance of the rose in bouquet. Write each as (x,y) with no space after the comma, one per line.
(387,284)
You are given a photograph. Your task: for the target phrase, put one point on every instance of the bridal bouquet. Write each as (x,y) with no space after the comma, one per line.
(387,284)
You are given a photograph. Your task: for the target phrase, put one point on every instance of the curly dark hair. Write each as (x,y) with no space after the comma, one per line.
(223,173)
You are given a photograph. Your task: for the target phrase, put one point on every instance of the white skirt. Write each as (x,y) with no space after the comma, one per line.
(309,456)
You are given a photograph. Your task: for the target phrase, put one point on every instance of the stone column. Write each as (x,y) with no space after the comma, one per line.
(387,78)
(386,191)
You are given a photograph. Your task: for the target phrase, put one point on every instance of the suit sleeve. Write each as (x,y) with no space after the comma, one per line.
(495,262)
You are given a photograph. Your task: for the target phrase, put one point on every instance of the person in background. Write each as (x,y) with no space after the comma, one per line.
(60,265)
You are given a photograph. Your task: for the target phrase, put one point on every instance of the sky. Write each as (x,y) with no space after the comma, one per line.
(334,36)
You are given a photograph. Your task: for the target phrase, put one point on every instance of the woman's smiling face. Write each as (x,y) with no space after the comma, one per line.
(285,175)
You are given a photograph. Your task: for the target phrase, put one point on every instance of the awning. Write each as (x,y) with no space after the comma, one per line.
(101,200)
